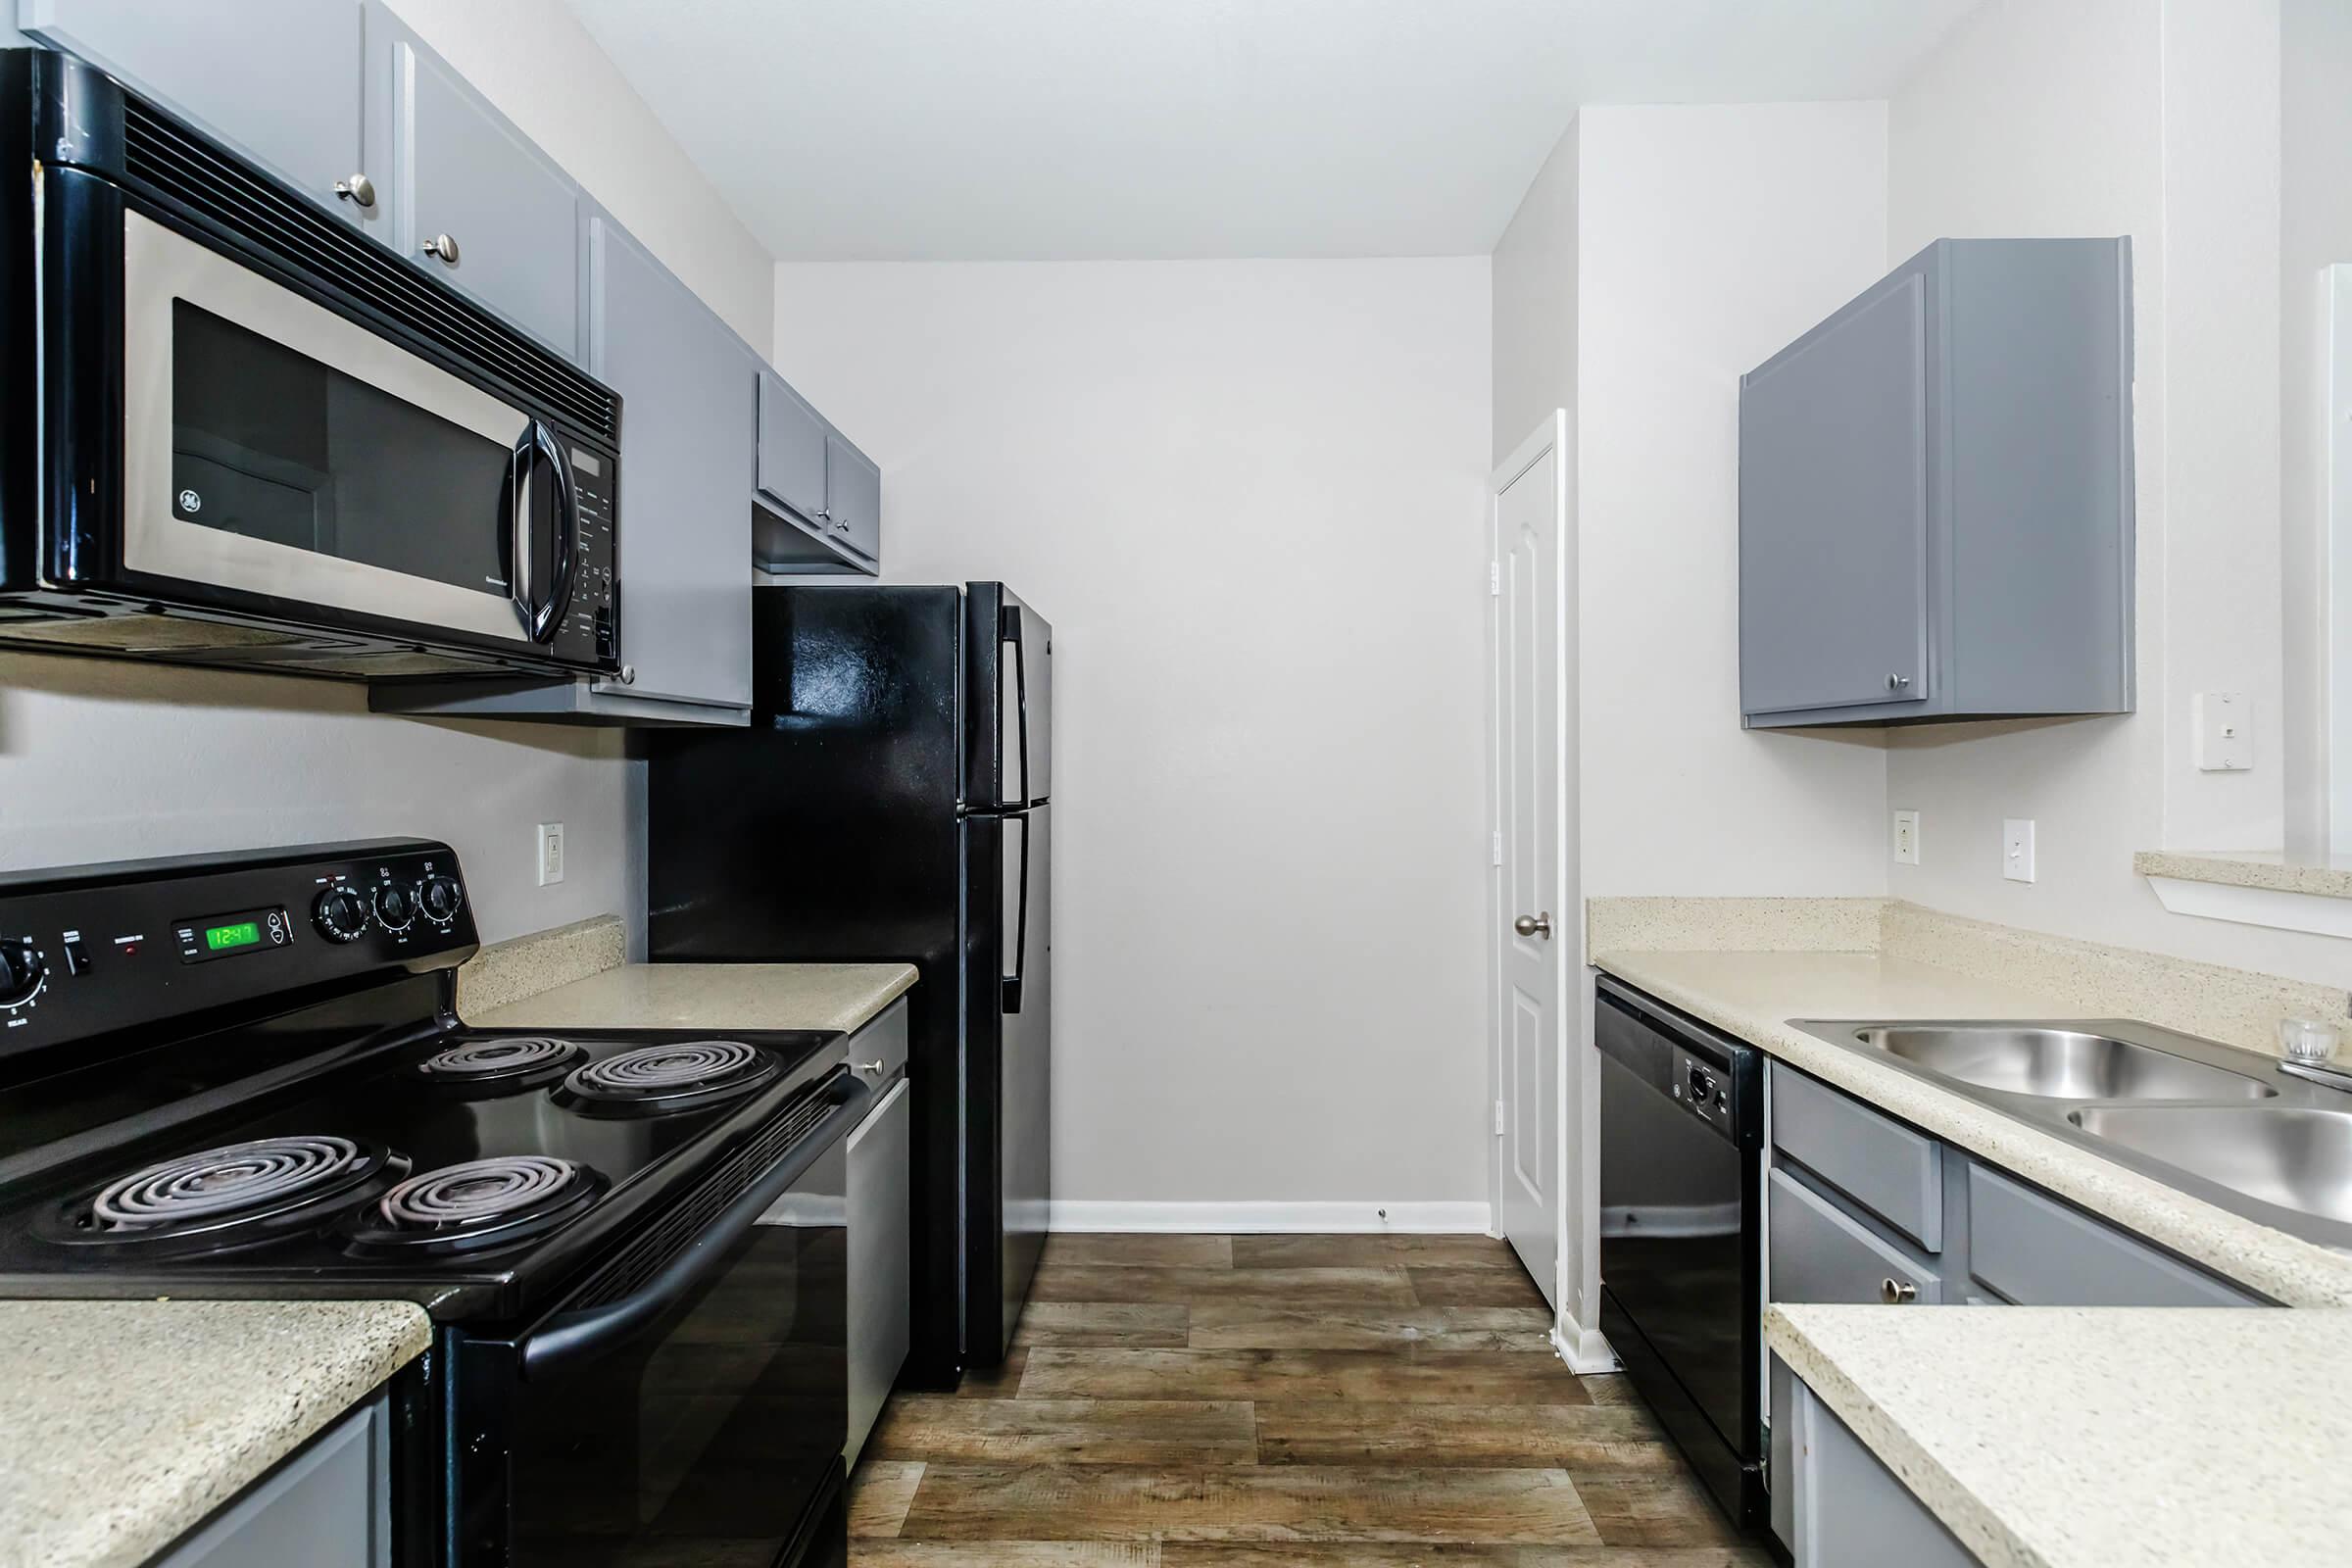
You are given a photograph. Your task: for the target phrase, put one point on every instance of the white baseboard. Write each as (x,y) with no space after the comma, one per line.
(1583,1350)
(1370,1218)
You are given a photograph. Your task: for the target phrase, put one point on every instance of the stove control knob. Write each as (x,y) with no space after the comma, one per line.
(440,897)
(22,970)
(341,914)
(396,907)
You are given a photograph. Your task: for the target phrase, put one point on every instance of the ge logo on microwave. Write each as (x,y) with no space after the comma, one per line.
(190,500)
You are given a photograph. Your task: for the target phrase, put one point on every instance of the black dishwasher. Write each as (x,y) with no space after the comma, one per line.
(1682,1262)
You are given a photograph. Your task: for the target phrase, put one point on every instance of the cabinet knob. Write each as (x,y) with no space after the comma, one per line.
(869,1069)
(628,674)
(1896,683)
(1895,1292)
(444,246)
(359,190)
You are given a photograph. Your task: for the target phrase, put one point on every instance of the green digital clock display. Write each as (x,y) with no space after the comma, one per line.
(223,937)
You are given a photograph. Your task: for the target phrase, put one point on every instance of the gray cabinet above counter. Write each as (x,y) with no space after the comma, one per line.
(724,468)
(819,497)
(1936,495)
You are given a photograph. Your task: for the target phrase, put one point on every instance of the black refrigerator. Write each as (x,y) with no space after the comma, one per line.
(891,800)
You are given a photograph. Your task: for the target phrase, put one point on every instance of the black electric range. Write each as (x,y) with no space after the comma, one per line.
(243,1076)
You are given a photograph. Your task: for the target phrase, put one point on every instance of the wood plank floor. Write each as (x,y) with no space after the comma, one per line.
(1249,1402)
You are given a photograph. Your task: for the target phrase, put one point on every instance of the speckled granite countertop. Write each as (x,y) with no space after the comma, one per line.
(1754,995)
(177,1406)
(2098,1437)
(710,995)
(2329,878)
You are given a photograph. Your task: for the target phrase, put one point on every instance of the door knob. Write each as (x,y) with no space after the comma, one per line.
(359,190)
(1895,1292)
(1534,925)
(443,246)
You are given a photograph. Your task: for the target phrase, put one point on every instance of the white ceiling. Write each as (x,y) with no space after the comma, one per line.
(968,130)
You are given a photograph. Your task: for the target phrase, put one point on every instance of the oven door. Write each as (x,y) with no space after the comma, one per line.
(693,1413)
(273,446)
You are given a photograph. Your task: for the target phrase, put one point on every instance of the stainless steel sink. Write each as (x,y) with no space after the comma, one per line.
(2221,1124)
(2050,1063)
(2296,1156)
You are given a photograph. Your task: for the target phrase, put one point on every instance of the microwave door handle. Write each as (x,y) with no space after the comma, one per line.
(518,523)
(550,615)
(573,1337)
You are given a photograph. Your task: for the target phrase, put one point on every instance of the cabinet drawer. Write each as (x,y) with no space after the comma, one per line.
(1888,1169)
(878,1051)
(2039,1251)
(1821,1254)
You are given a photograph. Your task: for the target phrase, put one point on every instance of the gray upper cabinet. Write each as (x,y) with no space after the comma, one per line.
(470,197)
(686,441)
(820,497)
(853,496)
(279,83)
(792,448)
(1936,495)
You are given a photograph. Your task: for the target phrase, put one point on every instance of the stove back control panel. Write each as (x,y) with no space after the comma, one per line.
(94,949)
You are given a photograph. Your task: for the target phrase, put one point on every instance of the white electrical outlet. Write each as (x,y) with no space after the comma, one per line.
(2225,731)
(550,852)
(2016,848)
(1906,838)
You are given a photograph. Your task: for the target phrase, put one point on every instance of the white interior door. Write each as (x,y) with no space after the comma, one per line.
(1534,923)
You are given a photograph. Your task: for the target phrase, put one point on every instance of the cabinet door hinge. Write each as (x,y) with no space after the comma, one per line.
(1493,579)
(1498,846)
(1498,1118)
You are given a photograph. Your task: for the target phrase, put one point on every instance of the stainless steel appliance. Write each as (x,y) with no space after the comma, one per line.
(243,433)
(1682,1257)
(891,800)
(240,1076)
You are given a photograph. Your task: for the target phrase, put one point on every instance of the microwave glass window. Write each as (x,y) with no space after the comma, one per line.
(271,444)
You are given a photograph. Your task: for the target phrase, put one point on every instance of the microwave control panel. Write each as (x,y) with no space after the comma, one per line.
(591,628)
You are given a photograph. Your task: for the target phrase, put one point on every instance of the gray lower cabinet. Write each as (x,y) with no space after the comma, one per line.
(2032,1250)
(1822,1252)
(880,1262)
(820,497)
(1936,495)
(470,197)
(279,83)
(1836,1507)
(881,1259)
(328,1506)
(685,449)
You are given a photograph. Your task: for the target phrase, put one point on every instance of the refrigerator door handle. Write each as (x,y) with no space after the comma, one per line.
(1008,630)
(1020,942)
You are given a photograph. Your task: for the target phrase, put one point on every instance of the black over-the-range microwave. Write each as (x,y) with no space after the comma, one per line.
(236,431)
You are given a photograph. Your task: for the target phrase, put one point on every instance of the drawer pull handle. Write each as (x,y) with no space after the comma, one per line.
(1895,1293)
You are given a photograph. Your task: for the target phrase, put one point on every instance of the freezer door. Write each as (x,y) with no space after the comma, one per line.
(1008,1055)
(1008,681)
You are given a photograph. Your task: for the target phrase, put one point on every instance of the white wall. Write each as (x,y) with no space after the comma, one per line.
(100,759)
(1534,302)
(1708,238)
(1249,497)
(2315,231)
(2157,118)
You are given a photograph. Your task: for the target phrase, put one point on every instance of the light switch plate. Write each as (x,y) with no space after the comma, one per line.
(2016,848)
(2225,731)
(1906,838)
(550,852)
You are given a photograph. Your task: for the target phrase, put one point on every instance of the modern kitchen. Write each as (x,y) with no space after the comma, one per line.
(1344,782)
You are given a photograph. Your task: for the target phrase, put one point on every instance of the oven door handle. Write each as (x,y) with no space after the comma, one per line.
(584,1334)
